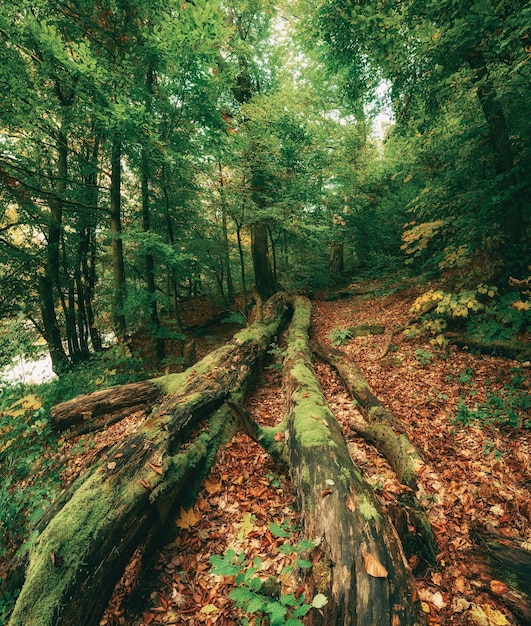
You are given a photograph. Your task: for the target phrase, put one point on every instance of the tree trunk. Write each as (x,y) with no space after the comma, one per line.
(226,247)
(514,222)
(150,265)
(52,333)
(89,407)
(510,349)
(75,562)
(116,233)
(421,546)
(358,563)
(264,279)
(336,264)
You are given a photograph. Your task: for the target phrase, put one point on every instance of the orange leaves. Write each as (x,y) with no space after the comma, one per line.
(187,519)
(373,567)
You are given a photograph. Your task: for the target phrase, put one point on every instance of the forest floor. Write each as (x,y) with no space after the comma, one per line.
(474,473)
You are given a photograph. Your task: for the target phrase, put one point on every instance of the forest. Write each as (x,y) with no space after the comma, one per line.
(274,259)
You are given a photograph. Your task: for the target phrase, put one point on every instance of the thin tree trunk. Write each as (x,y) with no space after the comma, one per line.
(117,245)
(242,266)
(420,544)
(263,275)
(150,265)
(226,245)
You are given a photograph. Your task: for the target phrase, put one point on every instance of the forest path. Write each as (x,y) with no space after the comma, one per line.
(473,474)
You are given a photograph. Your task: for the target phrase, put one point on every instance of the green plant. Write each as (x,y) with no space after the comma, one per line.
(490,447)
(466,376)
(277,355)
(424,357)
(509,408)
(340,336)
(235,317)
(29,472)
(262,599)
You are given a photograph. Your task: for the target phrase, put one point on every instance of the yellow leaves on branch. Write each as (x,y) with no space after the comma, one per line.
(417,236)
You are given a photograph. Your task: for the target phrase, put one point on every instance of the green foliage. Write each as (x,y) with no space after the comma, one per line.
(235,317)
(340,336)
(262,599)
(17,339)
(509,408)
(28,460)
(29,451)
(424,357)
(482,312)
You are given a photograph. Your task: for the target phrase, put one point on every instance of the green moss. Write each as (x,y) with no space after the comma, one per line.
(367,509)
(68,536)
(305,475)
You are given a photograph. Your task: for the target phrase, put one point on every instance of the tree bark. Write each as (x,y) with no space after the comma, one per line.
(396,448)
(263,274)
(509,562)
(117,247)
(358,563)
(75,562)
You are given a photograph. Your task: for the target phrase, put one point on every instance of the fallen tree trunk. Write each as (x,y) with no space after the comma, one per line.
(358,562)
(75,562)
(397,449)
(513,349)
(106,402)
(508,561)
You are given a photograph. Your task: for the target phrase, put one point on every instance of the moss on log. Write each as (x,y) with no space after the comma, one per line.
(358,563)
(513,349)
(75,562)
(380,430)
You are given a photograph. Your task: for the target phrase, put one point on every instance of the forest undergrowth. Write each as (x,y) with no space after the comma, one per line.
(463,412)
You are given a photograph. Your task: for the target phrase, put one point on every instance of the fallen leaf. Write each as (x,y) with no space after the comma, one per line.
(209,609)
(351,505)
(212,487)
(437,600)
(373,567)
(326,492)
(498,587)
(156,468)
(187,519)
(319,601)
(495,617)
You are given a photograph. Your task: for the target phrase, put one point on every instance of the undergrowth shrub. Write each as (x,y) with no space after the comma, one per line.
(29,451)
(261,599)
(28,461)
(510,407)
(482,313)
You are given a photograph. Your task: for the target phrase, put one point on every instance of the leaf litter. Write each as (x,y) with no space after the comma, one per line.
(468,476)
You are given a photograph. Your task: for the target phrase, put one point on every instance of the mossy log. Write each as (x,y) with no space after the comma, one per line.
(358,562)
(508,561)
(75,562)
(122,399)
(513,349)
(380,430)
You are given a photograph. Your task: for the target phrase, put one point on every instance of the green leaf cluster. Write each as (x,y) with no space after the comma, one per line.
(259,598)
